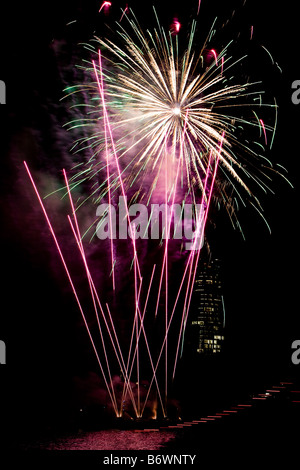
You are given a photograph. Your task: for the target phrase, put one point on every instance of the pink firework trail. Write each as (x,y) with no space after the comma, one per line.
(106,123)
(264,130)
(199,4)
(124,13)
(105,6)
(109,130)
(215,56)
(77,237)
(176,26)
(71,283)
(200,229)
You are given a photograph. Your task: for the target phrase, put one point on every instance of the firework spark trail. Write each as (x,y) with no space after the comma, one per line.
(107,122)
(105,6)
(147,345)
(120,358)
(124,12)
(190,259)
(222,65)
(264,130)
(137,331)
(92,291)
(95,298)
(200,227)
(90,280)
(128,366)
(123,369)
(137,292)
(199,4)
(176,26)
(192,253)
(91,285)
(169,325)
(101,89)
(200,224)
(154,377)
(215,56)
(142,316)
(166,278)
(167,229)
(108,180)
(178,294)
(71,282)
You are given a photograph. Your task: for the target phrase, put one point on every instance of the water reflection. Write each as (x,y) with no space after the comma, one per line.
(107,440)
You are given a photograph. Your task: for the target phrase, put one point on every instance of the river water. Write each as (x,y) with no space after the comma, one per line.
(106,440)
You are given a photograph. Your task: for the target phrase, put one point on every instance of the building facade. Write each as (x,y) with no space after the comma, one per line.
(207,313)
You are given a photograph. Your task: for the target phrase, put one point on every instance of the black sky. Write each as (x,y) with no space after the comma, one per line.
(39,320)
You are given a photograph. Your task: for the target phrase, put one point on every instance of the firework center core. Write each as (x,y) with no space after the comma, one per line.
(176,110)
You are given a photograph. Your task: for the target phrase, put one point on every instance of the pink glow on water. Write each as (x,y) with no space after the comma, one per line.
(109,440)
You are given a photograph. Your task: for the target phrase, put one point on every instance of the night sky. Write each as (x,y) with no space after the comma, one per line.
(49,358)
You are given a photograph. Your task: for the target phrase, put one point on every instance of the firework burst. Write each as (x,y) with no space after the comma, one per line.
(168,107)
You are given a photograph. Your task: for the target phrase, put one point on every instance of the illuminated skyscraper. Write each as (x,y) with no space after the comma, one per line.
(207,314)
